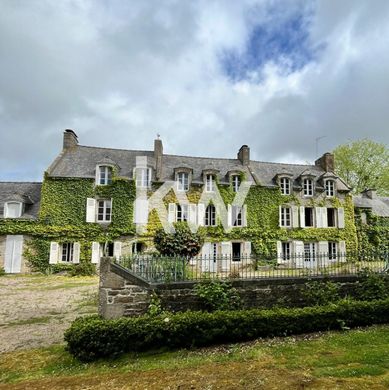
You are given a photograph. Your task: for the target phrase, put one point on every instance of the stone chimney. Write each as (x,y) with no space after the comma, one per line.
(158,153)
(244,155)
(369,193)
(69,139)
(327,162)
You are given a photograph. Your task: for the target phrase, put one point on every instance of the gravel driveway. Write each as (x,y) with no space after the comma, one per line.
(35,310)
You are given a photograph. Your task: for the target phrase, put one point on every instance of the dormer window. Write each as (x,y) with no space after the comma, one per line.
(13,209)
(182,181)
(143,177)
(308,187)
(235,183)
(285,185)
(330,188)
(104,175)
(210,183)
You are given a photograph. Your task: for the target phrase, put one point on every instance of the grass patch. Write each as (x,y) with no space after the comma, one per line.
(355,359)
(29,321)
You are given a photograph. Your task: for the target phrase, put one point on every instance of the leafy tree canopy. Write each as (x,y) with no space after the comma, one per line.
(363,164)
(180,243)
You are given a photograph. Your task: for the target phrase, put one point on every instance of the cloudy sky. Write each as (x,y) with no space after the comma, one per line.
(207,75)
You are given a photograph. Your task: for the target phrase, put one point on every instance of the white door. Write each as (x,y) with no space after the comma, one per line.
(309,254)
(13,254)
(209,257)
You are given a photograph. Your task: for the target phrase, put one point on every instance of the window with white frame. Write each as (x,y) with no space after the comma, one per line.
(331,217)
(285,218)
(308,187)
(285,250)
(182,181)
(104,210)
(210,183)
(182,213)
(104,175)
(67,252)
(210,215)
(330,188)
(13,210)
(235,183)
(143,177)
(332,250)
(285,185)
(237,216)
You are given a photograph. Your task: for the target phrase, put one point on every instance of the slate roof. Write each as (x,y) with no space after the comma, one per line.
(26,192)
(379,204)
(81,161)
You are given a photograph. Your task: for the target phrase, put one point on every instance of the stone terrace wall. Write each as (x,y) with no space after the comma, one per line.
(123,294)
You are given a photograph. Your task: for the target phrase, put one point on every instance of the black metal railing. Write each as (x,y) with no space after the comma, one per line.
(260,266)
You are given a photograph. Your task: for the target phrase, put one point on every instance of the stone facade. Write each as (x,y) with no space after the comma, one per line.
(123,294)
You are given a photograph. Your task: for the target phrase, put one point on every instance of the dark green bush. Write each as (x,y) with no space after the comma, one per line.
(372,286)
(321,293)
(83,269)
(90,338)
(218,295)
(2,271)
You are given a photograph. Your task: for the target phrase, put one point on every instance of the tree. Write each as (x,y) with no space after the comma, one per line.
(180,243)
(363,164)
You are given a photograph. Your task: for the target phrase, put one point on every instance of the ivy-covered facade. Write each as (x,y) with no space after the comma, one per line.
(89,205)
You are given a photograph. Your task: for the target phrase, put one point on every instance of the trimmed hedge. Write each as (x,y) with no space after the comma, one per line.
(90,338)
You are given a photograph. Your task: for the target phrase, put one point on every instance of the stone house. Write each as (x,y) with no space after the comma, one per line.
(88,196)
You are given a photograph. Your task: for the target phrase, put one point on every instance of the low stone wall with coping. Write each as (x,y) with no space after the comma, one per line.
(122,293)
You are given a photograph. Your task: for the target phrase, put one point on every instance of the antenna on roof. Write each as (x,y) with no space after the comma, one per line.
(158,136)
(317,144)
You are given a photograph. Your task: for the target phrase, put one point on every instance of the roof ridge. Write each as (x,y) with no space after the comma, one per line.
(124,150)
(20,182)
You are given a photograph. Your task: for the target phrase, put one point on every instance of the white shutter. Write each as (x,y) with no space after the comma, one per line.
(229,215)
(279,251)
(226,249)
(205,256)
(172,213)
(340,217)
(53,253)
(323,247)
(141,211)
(200,214)
(342,251)
(244,216)
(247,249)
(318,217)
(90,210)
(298,247)
(302,216)
(324,217)
(117,249)
(5,213)
(295,216)
(279,216)
(192,213)
(76,253)
(95,252)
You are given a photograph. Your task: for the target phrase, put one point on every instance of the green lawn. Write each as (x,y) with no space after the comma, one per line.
(356,359)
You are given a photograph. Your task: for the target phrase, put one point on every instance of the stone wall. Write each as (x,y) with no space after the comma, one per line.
(124,294)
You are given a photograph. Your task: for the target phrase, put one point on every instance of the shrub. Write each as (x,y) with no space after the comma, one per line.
(2,271)
(83,269)
(372,286)
(217,295)
(90,338)
(321,293)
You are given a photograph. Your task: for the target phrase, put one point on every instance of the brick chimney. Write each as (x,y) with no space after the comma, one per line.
(158,153)
(69,139)
(327,162)
(370,193)
(244,155)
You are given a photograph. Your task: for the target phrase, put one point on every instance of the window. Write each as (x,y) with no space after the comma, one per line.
(237,213)
(143,177)
(285,186)
(210,183)
(330,188)
(331,217)
(285,254)
(309,251)
(308,187)
(210,215)
(182,213)
(182,181)
(236,251)
(285,217)
(67,252)
(104,210)
(308,216)
(332,250)
(13,210)
(235,183)
(105,176)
